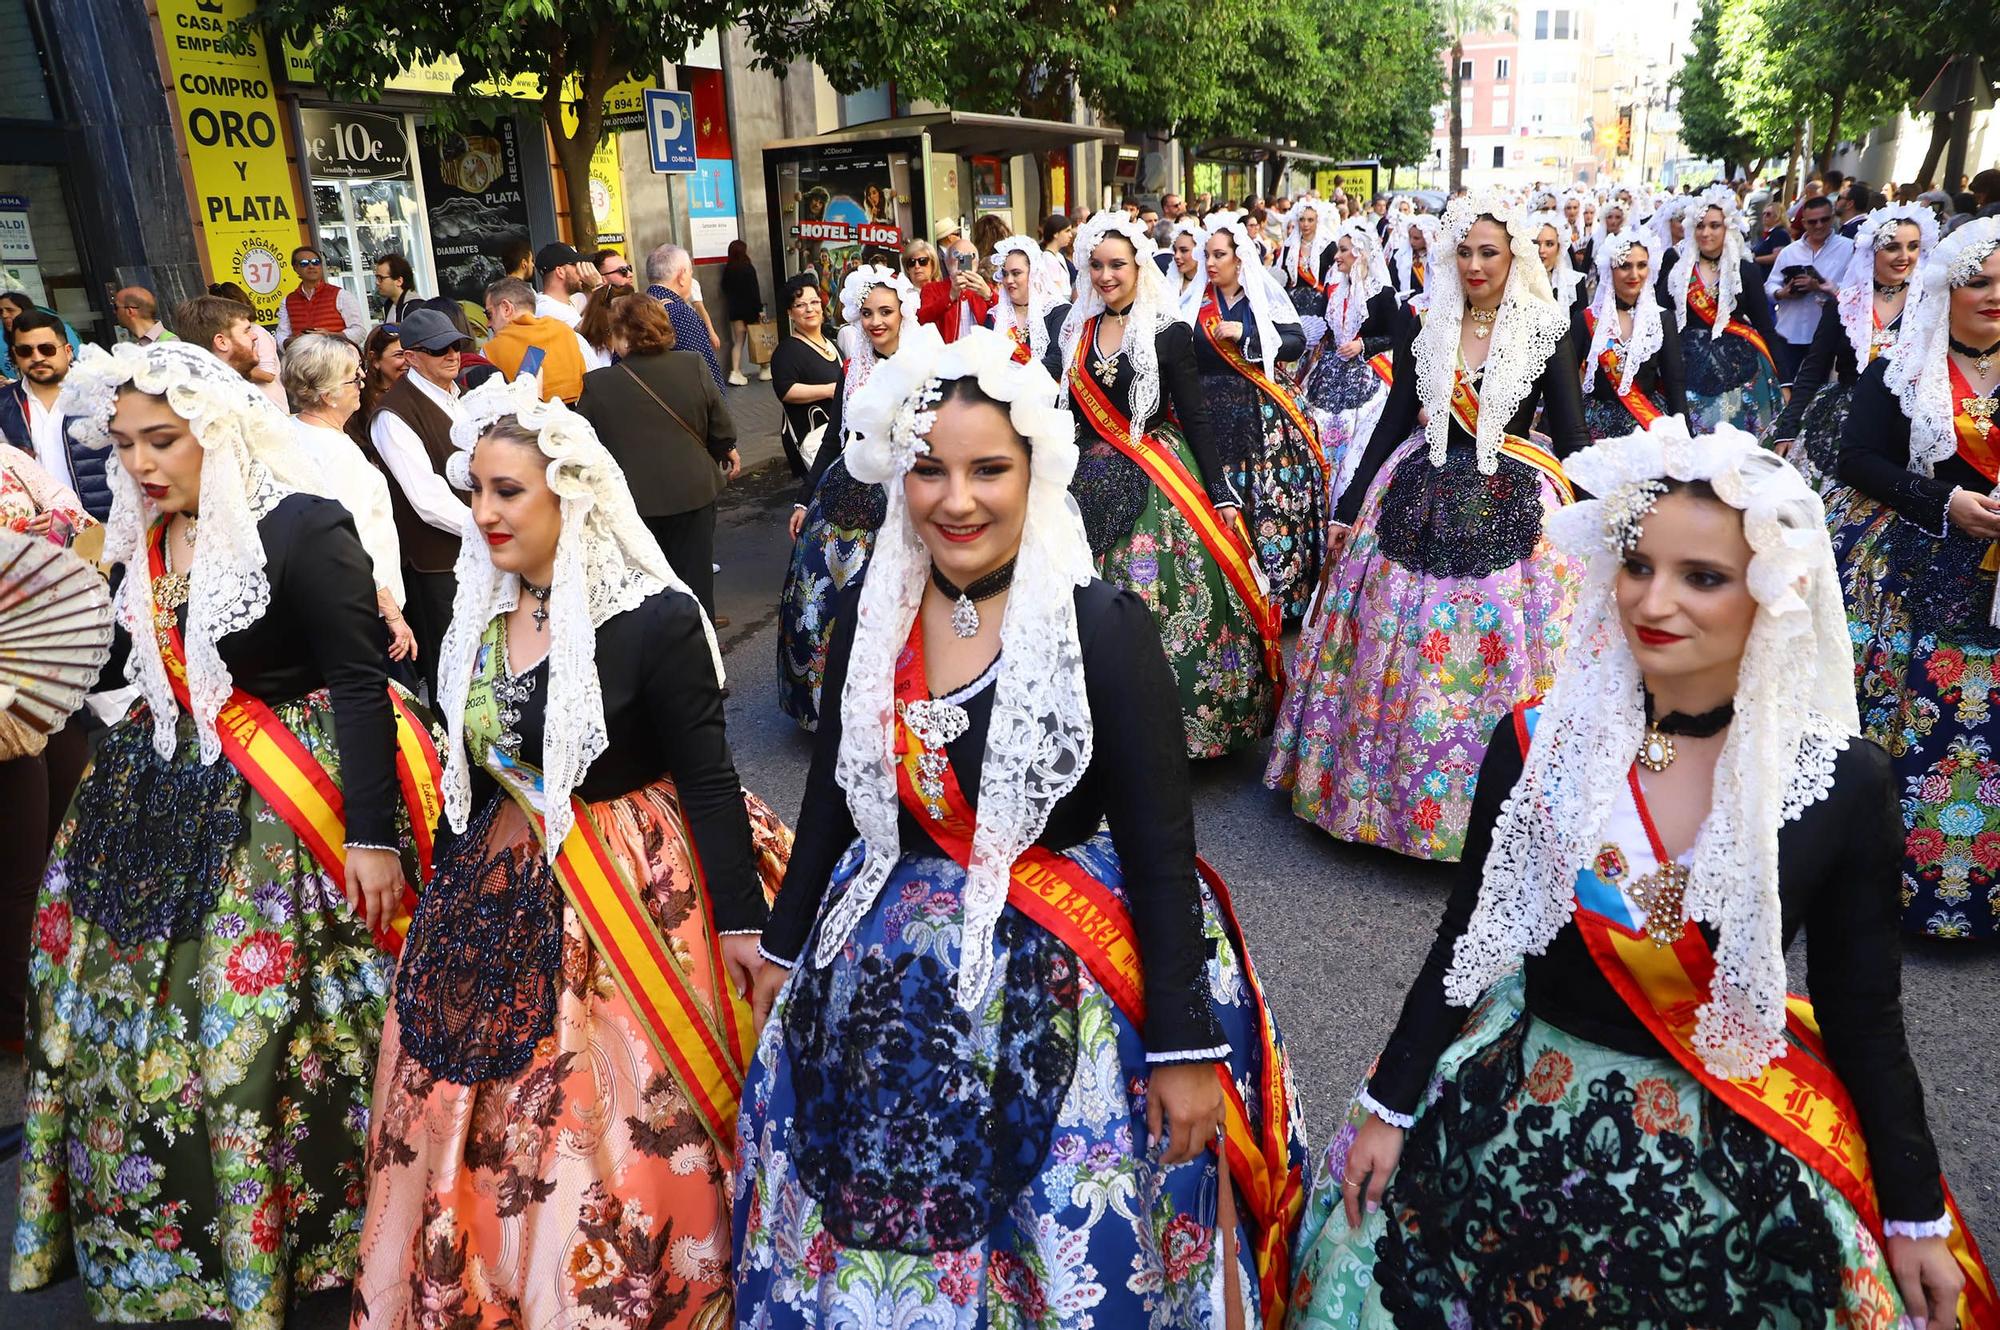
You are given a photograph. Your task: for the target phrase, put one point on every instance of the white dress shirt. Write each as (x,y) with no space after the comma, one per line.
(1797,317)
(561,310)
(45,429)
(353,317)
(404,454)
(364,492)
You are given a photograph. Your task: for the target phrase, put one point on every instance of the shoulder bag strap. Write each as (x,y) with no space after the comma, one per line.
(693,433)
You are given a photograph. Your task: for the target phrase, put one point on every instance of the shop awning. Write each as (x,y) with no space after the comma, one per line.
(1251,151)
(966,134)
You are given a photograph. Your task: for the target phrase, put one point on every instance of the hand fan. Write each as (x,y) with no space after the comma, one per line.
(55,630)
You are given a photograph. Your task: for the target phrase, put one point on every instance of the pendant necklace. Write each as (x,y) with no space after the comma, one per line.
(1656,750)
(1889,291)
(965,614)
(1483,319)
(1981,360)
(540,614)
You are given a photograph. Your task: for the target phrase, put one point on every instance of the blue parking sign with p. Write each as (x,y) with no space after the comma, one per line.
(670,130)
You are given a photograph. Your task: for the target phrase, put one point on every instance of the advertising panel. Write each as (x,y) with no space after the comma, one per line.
(844,205)
(473,184)
(712,187)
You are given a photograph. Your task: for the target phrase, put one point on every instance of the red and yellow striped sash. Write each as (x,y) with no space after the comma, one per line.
(1307,275)
(1089,918)
(292,781)
(1702,301)
(1978,438)
(1465,410)
(1229,548)
(1210,319)
(1613,365)
(1023,352)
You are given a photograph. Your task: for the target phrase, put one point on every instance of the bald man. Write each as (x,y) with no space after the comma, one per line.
(138,313)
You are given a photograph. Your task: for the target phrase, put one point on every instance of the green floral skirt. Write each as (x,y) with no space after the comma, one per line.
(203,1019)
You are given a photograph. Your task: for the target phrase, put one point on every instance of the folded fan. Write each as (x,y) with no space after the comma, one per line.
(55,630)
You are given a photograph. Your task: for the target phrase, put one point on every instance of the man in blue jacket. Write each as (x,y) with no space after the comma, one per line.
(28,418)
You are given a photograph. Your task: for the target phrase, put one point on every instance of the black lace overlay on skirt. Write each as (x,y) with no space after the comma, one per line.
(1342,385)
(848,503)
(908,1142)
(153,836)
(1236,415)
(1111,491)
(1716,364)
(1451,521)
(1521,1213)
(1939,583)
(476,988)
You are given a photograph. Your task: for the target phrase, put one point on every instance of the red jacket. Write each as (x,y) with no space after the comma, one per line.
(938,305)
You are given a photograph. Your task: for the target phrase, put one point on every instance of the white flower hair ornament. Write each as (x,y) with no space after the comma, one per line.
(1648,330)
(1729,266)
(251,459)
(1039,739)
(855,288)
(606,563)
(1794,714)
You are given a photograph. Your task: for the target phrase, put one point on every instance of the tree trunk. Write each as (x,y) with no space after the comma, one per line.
(1457,113)
(1941,127)
(1824,158)
(1792,161)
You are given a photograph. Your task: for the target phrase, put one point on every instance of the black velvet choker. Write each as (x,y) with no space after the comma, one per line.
(965,614)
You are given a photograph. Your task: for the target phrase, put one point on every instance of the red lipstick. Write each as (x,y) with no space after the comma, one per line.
(962,537)
(497,538)
(155,491)
(1654,637)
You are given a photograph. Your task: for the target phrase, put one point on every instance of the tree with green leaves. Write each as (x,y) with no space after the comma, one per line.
(579,49)
(1710,124)
(1460,19)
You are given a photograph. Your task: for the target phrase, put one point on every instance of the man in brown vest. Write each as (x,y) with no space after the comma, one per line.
(411,434)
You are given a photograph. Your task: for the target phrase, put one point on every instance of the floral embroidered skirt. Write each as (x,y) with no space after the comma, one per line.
(1927,673)
(533,1161)
(1272,466)
(1211,641)
(1448,607)
(830,555)
(204,1012)
(1728,383)
(1553,1181)
(903,1165)
(1345,399)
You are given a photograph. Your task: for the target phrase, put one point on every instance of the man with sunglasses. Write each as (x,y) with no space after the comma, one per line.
(615,269)
(317,305)
(28,418)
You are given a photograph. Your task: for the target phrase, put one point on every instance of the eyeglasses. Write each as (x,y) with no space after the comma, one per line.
(617,272)
(306,263)
(360,378)
(47,350)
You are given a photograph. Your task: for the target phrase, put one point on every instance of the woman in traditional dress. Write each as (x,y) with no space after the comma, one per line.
(1632,372)
(204,1004)
(1190,251)
(554,1117)
(1715,295)
(1921,451)
(1163,519)
(1577,209)
(1244,329)
(1861,323)
(833,524)
(1033,1151)
(1346,381)
(1304,265)
(1412,241)
(1447,605)
(1552,246)
(1598,1106)
(1031,308)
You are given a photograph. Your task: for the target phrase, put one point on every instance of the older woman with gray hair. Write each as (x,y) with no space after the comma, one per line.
(322,376)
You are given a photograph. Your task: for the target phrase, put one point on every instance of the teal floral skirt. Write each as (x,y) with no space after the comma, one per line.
(204,1013)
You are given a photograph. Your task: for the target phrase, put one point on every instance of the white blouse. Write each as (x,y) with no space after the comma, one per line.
(353,482)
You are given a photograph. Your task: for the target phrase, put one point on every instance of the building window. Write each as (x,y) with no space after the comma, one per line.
(1465,71)
(1502,68)
(1541,25)
(1500,115)
(1465,159)
(1562,25)
(1507,22)
(1499,154)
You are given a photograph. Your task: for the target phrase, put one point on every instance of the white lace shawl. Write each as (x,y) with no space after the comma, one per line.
(251,459)
(1324,223)
(607,562)
(1661,223)
(1348,294)
(1402,257)
(1856,300)
(1038,744)
(1565,280)
(1728,268)
(1042,296)
(1647,333)
(861,353)
(1920,362)
(1270,303)
(1179,288)
(1525,334)
(1152,309)
(1795,712)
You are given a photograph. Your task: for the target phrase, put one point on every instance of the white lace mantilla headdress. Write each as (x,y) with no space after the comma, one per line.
(1324,219)
(1647,331)
(1729,268)
(1565,280)
(251,458)
(1525,333)
(1038,744)
(1043,295)
(1661,224)
(1920,363)
(1178,288)
(1403,257)
(1795,712)
(861,354)
(1270,303)
(1152,309)
(1856,301)
(607,562)
(1349,292)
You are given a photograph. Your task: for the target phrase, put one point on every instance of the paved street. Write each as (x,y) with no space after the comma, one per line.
(1337,931)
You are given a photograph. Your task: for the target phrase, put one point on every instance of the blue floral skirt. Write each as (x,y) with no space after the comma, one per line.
(1927,674)
(904,1165)
(1272,466)
(830,555)
(1728,382)
(1553,1181)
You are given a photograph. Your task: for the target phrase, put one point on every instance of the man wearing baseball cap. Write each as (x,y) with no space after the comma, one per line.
(411,437)
(556,263)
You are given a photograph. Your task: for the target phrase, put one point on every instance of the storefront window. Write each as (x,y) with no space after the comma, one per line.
(38,251)
(367,201)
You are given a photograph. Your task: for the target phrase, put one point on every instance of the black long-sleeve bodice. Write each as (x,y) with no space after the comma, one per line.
(1291,338)
(1830,359)
(323,630)
(1753,306)
(1875,456)
(1663,378)
(1137,784)
(830,443)
(1839,878)
(1556,390)
(663,717)
(1052,322)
